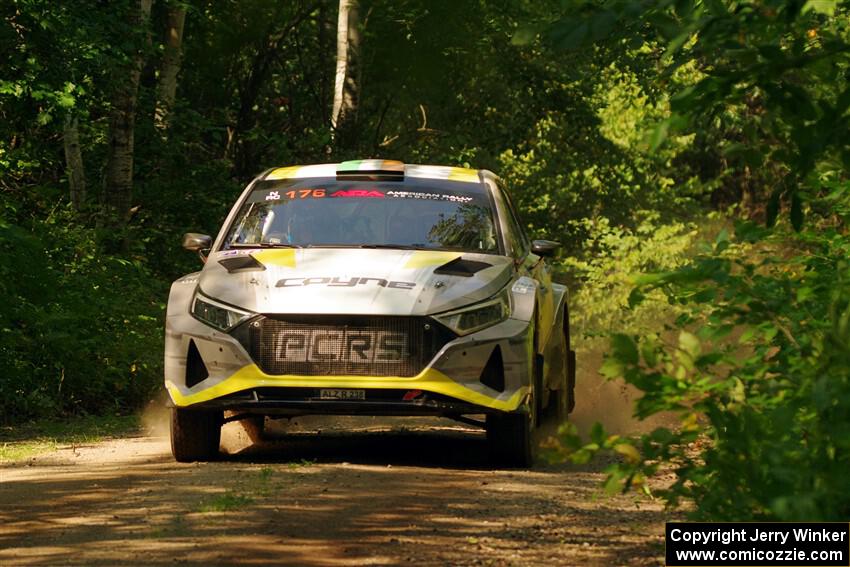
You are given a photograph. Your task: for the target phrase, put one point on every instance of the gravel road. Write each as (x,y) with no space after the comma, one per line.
(321,492)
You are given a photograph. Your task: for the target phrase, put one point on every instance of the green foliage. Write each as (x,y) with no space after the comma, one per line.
(611,257)
(773,94)
(80,330)
(759,380)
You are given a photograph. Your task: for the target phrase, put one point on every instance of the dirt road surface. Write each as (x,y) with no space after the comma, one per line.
(318,494)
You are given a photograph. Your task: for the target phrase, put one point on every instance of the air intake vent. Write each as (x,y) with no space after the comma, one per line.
(493,375)
(330,345)
(196,370)
(241,264)
(462,267)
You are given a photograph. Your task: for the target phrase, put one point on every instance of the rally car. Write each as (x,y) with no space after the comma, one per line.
(369,287)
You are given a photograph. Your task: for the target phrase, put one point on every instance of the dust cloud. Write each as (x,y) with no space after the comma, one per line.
(156,417)
(609,402)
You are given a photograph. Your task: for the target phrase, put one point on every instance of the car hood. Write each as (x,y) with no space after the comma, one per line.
(352,281)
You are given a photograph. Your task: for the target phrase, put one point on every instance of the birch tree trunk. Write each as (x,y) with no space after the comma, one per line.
(118,184)
(74,162)
(171,60)
(347,83)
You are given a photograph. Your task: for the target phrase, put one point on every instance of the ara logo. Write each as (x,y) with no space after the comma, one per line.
(343,282)
(358,193)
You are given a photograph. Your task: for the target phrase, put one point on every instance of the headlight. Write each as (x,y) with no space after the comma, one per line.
(479,316)
(216,315)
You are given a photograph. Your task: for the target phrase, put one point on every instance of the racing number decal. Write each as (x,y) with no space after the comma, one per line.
(305,194)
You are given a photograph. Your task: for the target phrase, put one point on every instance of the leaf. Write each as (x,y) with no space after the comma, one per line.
(721,243)
(628,451)
(689,343)
(647,349)
(624,349)
(524,35)
(597,433)
(602,24)
(574,38)
(659,134)
(636,297)
(826,7)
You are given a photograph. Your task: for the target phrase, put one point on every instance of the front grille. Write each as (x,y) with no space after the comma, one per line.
(333,345)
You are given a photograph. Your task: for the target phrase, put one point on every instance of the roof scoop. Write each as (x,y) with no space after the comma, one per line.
(371,170)
(462,267)
(245,263)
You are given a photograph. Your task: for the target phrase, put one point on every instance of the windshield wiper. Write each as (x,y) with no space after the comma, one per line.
(262,245)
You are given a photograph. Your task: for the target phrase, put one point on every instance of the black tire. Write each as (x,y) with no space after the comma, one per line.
(195,435)
(559,399)
(510,436)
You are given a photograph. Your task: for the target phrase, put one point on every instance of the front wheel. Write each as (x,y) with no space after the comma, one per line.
(195,435)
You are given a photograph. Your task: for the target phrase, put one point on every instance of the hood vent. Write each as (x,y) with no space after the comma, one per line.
(245,263)
(462,267)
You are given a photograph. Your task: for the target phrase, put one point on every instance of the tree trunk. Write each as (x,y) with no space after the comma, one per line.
(325,39)
(118,186)
(74,162)
(347,84)
(171,60)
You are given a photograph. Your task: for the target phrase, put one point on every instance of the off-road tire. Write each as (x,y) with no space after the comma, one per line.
(195,435)
(510,436)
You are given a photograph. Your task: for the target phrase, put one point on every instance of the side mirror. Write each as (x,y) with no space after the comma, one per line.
(545,247)
(195,242)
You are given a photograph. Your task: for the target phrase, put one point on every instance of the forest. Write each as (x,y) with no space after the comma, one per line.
(691,157)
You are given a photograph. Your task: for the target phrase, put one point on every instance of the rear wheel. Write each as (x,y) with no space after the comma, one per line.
(564,397)
(195,435)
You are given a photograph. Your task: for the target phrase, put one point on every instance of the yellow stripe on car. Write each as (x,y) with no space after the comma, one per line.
(463,174)
(426,258)
(284,173)
(284,257)
(429,380)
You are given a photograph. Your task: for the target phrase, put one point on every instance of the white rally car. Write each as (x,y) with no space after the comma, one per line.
(369,288)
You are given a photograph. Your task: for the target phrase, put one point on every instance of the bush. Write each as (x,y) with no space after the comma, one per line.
(81,329)
(761,384)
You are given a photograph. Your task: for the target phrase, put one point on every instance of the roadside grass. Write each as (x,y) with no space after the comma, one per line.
(255,487)
(22,441)
(226,502)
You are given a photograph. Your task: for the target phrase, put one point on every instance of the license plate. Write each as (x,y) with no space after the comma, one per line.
(331,394)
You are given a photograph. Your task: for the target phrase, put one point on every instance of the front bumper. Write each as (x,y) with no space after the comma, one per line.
(303,391)
(308,401)
(452,383)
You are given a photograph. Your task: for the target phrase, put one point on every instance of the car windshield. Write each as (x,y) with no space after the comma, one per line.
(418,213)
